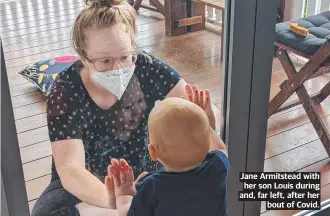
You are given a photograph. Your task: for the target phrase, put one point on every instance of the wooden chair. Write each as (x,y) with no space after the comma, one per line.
(318,64)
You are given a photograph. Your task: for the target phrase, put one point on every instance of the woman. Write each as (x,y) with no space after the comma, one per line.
(98,109)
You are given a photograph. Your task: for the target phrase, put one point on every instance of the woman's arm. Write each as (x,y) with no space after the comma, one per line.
(69,157)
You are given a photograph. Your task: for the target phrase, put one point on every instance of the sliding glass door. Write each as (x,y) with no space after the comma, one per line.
(247,66)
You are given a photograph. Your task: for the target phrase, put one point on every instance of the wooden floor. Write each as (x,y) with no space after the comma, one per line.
(35,30)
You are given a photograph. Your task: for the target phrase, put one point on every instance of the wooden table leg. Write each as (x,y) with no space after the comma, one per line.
(137,4)
(159,6)
(174,10)
(196,9)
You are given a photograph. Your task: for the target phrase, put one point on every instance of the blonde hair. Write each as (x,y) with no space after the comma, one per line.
(180,131)
(102,14)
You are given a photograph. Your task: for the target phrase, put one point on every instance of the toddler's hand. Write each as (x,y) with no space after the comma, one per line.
(201,98)
(123,178)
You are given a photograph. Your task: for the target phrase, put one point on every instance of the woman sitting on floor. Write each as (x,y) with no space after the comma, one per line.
(99,107)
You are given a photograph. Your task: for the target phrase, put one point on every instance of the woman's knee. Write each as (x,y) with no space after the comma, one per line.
(41,209)
(55,201)
(54,209)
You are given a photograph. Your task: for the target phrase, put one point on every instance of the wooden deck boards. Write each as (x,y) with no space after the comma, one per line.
(32,31)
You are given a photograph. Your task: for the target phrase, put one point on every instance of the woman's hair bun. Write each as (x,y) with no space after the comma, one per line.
(108,3)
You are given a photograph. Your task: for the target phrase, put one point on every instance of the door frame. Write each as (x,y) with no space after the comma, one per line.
(13,192)
(248,55)
(247,67)
(324,211)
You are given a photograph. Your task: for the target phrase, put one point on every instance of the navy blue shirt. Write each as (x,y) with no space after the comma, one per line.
(200,191)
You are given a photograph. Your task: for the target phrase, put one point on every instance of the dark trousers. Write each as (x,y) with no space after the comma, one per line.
(55,201)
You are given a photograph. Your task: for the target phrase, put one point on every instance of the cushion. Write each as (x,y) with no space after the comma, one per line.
(43,73)
(319,32)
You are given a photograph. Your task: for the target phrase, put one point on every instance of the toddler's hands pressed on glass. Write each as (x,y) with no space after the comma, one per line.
(201,98)
(123,178)
(115,171)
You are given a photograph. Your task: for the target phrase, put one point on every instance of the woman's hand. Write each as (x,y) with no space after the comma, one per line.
(110,188)
(201,98)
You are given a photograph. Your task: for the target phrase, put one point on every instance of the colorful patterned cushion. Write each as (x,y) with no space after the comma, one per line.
(43,73)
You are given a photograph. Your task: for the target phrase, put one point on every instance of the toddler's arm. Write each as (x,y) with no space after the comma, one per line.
(120,183)
(123,180)
(123,204)
(129,202)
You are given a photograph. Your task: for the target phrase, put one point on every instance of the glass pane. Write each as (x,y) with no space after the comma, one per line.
(293,144)
(41,63)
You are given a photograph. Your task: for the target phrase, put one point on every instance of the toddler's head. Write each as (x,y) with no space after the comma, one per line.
(179,134)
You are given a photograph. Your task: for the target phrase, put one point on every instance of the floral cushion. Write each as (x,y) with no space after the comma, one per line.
(43,73)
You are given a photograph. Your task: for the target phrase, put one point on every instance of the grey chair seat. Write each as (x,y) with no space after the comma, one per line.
(319,32)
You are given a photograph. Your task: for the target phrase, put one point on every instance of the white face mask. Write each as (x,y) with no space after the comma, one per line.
(115,81)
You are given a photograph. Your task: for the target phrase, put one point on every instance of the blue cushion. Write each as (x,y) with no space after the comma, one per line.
(319,32)
(43,73)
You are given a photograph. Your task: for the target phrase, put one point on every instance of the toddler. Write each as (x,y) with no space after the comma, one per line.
(196,166)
